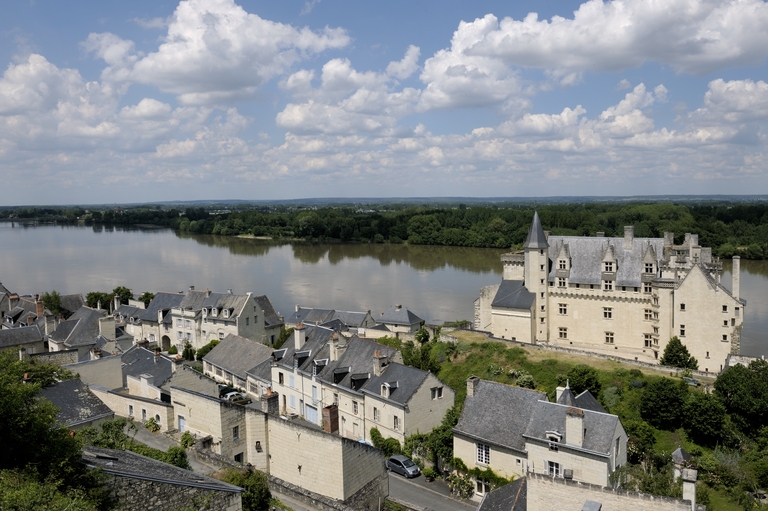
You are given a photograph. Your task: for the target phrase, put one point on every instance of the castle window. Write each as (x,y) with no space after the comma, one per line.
(648,267)
(607,312)
(636,289)
(563,308)
(354,407)
(396,424)
(541,252)
(541,267)
(707,355)
(542,282)
(648,314)
(552,283)
(725,337)
(647,288)
(656,330)
(609,337)
(623,288)
(375,414)
(553,469)
(607,285)
(648,340)
(725,308)
(542,295)
(561,264)
(682,330)
(560,282)
(682,306)
(725,322)
(608,266)
(578,286)
(542,320)
(542,308)
(563,332)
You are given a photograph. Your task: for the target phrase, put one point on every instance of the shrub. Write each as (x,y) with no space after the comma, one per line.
(388,446)
(152,425)
(187,440)
(256,494)
(206,349)
(173,350)
(188,353)
(429,473)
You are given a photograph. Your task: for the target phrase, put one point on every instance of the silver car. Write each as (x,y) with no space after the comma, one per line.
(403,465)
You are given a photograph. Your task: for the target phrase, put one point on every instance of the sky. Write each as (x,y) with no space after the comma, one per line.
(144,101)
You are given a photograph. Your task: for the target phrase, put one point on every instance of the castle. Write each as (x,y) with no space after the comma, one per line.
(623,296)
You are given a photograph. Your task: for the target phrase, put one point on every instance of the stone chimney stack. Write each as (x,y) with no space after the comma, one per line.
(472,383)
(629,236)
(334,347)
(299,337)
(107,327)
(191,288)
(736,282)
(559,392)
(380,362)
(574,426)
(689,486)
(39,306)
(270,403)
(117,302)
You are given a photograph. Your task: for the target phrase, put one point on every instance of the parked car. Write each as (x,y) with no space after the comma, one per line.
(403,465)
(693,382)
(224,390)
(236,397)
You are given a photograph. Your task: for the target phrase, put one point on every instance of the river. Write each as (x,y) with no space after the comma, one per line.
(438,283)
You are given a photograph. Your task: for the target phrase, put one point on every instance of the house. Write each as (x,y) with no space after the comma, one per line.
(627,296)
(78,406)
(30,338)
(203,316)
(229,361)
(573,438)
(85,330)
(352,321)
(400,319)
(152,323)
(138,482)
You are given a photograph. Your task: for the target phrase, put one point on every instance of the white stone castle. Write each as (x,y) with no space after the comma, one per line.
(623,296)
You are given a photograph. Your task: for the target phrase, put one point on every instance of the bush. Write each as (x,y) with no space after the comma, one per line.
(152,425)
(388,446)
(582,377)
(187,440)
(206,349)
(173,350)
(429,473)
(256,494)
(188,353)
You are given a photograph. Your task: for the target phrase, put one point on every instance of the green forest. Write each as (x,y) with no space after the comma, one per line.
(737,228)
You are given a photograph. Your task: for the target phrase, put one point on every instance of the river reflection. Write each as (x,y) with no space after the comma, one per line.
(438,283)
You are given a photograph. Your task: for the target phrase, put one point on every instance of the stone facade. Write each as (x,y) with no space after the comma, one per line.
(149,495)
(625,296)
(137,407)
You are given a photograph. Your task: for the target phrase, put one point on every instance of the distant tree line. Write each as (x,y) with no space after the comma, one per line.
(729,228)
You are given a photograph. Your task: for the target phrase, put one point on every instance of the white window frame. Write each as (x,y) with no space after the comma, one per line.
(483,453)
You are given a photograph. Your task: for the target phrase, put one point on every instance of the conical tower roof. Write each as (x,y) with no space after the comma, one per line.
(536,237)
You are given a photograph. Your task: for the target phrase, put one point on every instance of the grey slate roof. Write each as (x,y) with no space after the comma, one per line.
(311,316)
(510,497)
(161,302)
(130,464)
(138,361)
(72,303)
(19,336)
(397,315)
(76,403)
(226,301)
(599,427)
(499,414)
(587,256)
(81,329)
(237,355)
(271,319)
(536,237)
(680,455)
(262,371)
(315,347)
(404,382)
(585,400)
(357,359)
(512,294)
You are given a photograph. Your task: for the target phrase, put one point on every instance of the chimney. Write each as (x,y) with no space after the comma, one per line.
(229,291)
(689,486)
(50,324)
(38,306)
(600,234)
(148,379)
(299,337)
(107,327)
(191,288)
(472,383)
(334,347)
(117,302)
(207,293)
(398,307)
(736,279)
(559,392)
(159,317)
(629,236)
(546,235)
(574,426)
(669,239)
(380,362)
(270,403)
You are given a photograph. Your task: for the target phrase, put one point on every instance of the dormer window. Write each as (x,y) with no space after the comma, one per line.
(384,390)
(205,312)
(226,313)
(214,312)
(649,268)
(608,266)
(562,264)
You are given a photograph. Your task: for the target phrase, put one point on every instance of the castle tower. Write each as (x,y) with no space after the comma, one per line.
(536,272)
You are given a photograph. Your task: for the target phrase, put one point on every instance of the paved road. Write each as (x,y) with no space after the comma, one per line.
(426,496)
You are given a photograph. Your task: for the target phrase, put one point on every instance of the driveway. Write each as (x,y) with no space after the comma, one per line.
(420,494)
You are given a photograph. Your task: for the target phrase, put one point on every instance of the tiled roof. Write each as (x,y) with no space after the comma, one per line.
(19,336)
(397,315)
(404,381)
(76,403)
(356,359)
(72,303)
(161,301)
(138,361)
(271,319)
(599,427)
(494,404)
(237,354)
(512,294)
(536,237)
(510,497)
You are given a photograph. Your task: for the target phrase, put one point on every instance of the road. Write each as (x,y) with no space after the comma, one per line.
(426,496)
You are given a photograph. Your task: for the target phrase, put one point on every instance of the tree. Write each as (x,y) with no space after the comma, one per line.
(255,485)
(662,403)
(677,355)
(744,393)
(124,293)
(52,302)
(204,350)
(285,334)
(146,297)
(704,419)
(582,377)
(188,353)
(97,299)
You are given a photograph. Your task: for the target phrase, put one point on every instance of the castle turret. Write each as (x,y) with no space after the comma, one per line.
(536,274)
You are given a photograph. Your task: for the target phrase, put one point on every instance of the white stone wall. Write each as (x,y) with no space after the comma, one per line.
(586,467)
(505,462)
(120,403)
(512,324)
(105,372)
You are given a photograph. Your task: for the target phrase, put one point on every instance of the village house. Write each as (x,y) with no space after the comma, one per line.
(573,438)
(399,319)
(343,321)
(78,407)
(229,361)
(153,322)
(624,296)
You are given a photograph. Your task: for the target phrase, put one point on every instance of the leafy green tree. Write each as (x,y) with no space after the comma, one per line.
(21,490)
(96,299)
(582,377)
(256,494)
(124,293)
(188,353)
(744,392)
(677,355)
(440,441)
(52,302)
(704,419)
(662,403)
(146,297)
(285,334)
(204,350)
(422,336)
(388,446)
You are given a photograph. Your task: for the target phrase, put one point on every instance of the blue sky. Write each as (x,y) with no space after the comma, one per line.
(216,99)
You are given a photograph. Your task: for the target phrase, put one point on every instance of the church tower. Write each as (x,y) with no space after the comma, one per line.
(536,272)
